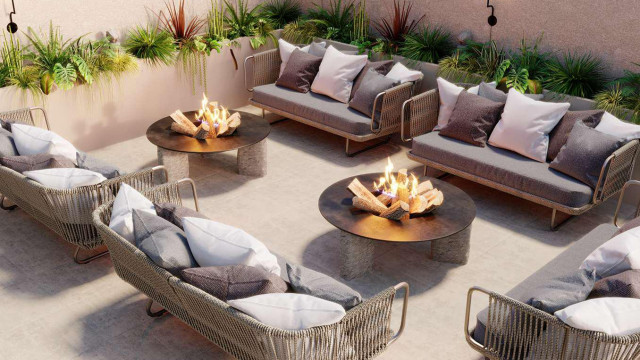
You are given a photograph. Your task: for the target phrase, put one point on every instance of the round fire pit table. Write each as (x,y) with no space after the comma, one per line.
(448,228)
(250,139)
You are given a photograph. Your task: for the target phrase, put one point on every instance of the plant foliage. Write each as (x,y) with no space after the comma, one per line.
(395,30)
(430,45)
(577,75)
(335,21)
(281,12)
(473,63)
(622,98)
(176,23)
(152,45)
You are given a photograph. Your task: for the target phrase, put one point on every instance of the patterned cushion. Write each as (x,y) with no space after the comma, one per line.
(175,213)
(88,162)
(559,135)
(625,284)
(300,71)
(36,162)
(473,119)
(307,281)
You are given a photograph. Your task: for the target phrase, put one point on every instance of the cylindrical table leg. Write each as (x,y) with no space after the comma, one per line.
(356,255)
(177,163)
(252,160)
(453,249)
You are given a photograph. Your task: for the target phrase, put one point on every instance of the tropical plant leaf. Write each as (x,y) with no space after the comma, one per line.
(501,71)
(518,79)
(82,68)
(64,76)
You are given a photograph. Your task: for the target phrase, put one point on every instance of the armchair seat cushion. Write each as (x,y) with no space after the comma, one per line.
(504,167)
(314,107)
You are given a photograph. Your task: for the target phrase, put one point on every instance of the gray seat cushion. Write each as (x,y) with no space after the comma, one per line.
(504,167)
(314,107)
(307,281)
(567,262)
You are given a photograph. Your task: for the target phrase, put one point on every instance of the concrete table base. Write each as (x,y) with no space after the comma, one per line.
(453,249)
(177,163)
(356,255)
(252,160)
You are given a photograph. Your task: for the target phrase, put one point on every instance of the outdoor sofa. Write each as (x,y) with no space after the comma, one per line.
(508,171)
(67,212)
(510,329)
(363,333)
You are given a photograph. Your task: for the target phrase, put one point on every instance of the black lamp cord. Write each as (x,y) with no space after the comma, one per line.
(488,5)
(14,11)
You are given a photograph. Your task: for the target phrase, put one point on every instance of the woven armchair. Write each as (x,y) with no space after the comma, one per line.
(386,119)
(363,333)
(67,212)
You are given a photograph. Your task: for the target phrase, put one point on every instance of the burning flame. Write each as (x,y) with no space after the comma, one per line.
(389,184)
(212,113)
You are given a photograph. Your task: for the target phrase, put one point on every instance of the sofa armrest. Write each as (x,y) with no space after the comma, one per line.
(266,68)
(616,171)
(420,114)
(627,185)
(390,104)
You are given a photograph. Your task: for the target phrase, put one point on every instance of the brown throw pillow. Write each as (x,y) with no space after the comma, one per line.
(234,282)
(584,153)
(36,162)
(559,135)
(372,85)
(175,213)
(300,71)
(382,67)
(473,119)
(625,284)
(633,223)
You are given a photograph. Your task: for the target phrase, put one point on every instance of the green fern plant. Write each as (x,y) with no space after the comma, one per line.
(281,12)
(24,77)
(335,21)
(430,44)
(576,75)
(240,20)
(152,45)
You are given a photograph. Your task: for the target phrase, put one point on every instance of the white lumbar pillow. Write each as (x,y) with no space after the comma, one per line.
(525,125)
(476,89)
(290,311)
(617,255)
(286,49)
(216,244)
(65,178)
(31,140)
(403,74)
(615,127)
(612,316)
(336,74)
(449,93)
(127,200)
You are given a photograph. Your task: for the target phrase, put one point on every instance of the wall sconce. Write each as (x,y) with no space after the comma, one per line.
(12,27)
(493,20)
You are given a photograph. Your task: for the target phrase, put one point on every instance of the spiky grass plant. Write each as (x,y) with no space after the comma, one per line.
(281,12)
(576,75)
(530,57)
(430,44)
(335,21)
(301,32)
(361,23)
(394,30)
(474,63)
(240,20)
(622,98)
(22,77)
(151,44)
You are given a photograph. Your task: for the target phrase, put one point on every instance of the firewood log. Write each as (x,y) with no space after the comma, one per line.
(385,199)
(396,212)
(222,129)
(365,205)
(425,186)
(418,204)
(361,191)
(179,128)
(402,176)
(431,194)
(403,193)
(202,132)
(179,118)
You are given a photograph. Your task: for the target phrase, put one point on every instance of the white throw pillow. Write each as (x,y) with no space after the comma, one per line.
(615,127)
(336,74)
(286,49)
(525,125)
(449,93)
(617,255)
(476,89)
(216,244)
(31,140)
(612,316)
(127,200)
(65,178)
(403,74)
(289,311)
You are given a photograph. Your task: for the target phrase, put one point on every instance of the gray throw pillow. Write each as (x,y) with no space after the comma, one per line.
(559,135)
(372,85)
(300,71)
(560,292)
(584,153)
(307,281)
(316,49)
(234,282)
(164,243)
(88,162)
(633,223)
(473,119)
(175,213)
(7,145)
(625,285)
(489,92)
(382,67)
(5,124)
(36,162)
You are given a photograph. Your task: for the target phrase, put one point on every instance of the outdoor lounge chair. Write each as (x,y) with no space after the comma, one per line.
(363,333)
(66,212)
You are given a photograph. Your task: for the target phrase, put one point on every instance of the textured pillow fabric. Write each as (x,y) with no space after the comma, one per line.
(5,124)
(382,67)
(633,223)
(125,202)
(307,281)
(336,74)
(475,90)
(617,255)
(234,282)
(525,125)
(65,178)
(563,291)
(490,92)
(584,153)
(216,244)
(615,127)
(88,162)
(7,145)
(472,119)
(31,140)
(403,74)
(164,243)
(317,49)
(559,135)
(286,49)
(448,98)
(612,316)
(175,213)
(301,69)
(372,85)
(35,162)
(624,285)
(290,311)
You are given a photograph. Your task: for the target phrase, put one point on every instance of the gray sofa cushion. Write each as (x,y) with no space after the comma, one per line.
(568,261)
(88,162)
(35,162)
(7,146)
(562,291)
(307,281)
(489,92)
(175,213)
(382,67)
(559,135)
(504,167)
(314,107)
(372,85)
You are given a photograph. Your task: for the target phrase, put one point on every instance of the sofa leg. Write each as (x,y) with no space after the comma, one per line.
(434,173)
(377,143)
(89,259)
(5,207)
(154,314)
(558,218)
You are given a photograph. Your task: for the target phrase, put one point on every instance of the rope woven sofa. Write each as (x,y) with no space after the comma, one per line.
(67,212)
(363,333)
